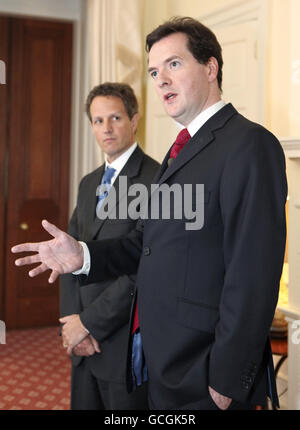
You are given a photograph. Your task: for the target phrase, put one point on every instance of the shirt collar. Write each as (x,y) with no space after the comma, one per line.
(203,116)
(120,162)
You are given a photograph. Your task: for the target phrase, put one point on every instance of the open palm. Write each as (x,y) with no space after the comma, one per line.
(63,254)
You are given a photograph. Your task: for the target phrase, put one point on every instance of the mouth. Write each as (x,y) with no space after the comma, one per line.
(109,139)
(170,97)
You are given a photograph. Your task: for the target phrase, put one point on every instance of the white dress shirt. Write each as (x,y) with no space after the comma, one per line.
(204,116)
(120,162)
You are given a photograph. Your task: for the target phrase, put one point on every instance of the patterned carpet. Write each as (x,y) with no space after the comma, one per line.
(34,371)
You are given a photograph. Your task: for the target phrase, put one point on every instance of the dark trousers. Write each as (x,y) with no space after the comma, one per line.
(91,393)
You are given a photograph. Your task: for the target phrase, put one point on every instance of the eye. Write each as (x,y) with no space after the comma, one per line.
(174,64)
(154,74)
(98,121)
(116,117)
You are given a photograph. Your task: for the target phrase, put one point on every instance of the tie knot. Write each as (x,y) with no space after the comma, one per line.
(108,174)
(183,137)
(181,140)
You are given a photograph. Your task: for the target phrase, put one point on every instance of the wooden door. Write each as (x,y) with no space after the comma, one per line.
(37,157)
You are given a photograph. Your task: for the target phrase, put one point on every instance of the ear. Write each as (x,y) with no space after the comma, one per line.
(213,68)
(134,122)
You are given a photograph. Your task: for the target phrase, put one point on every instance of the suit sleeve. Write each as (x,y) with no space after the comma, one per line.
(70,302)
(112,258)
(253,194)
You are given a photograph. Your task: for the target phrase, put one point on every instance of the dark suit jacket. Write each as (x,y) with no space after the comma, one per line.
(206,298)
(104,307)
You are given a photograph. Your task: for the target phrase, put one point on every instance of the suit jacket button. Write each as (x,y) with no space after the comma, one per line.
(147,251)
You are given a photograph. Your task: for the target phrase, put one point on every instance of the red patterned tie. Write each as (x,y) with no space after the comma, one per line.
(181,140)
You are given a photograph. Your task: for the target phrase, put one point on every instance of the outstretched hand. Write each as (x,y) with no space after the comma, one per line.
(63,254)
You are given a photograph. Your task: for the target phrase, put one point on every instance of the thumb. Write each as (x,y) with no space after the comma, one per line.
(95,344)
(51,228)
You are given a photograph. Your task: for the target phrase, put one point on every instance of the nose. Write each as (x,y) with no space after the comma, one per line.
(107,126)
(163,79)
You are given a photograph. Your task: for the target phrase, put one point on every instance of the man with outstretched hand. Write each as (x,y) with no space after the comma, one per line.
(205,298)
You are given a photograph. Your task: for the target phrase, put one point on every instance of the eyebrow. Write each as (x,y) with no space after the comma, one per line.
(113,114)
(167,60)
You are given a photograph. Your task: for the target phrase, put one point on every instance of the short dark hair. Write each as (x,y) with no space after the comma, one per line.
(202,42)
(114,89)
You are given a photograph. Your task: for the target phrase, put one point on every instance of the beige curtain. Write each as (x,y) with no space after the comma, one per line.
(114,50)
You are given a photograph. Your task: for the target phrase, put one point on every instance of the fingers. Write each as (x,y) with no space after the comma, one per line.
(83,351)
(67,318)
(33,247)
(41,269)
(53,276)
(38,270)
(25,247)
(85,348)
(31,259)
(28,260)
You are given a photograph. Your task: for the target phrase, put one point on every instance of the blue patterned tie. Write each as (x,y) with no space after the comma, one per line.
(103,189)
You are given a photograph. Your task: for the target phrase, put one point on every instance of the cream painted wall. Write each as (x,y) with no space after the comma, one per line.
(196,8)
(295,68)
(283,113)
(163,9)
(277,107)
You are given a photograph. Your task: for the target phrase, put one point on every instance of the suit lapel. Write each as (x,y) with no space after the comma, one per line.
(130,170)
(203,137)
(194,146)
(91,201)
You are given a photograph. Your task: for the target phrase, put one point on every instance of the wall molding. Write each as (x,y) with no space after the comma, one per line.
(236,12)
(291,146)
(289,312)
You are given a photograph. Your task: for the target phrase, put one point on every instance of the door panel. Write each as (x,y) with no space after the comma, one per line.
(38,166)
(241,82)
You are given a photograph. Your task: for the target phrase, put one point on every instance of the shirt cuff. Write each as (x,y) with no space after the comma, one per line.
(85,269)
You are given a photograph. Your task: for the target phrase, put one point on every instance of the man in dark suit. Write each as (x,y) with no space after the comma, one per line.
(206,297)
(99,360)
